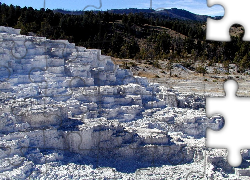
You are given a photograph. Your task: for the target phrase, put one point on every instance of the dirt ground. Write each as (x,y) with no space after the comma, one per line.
(188,80)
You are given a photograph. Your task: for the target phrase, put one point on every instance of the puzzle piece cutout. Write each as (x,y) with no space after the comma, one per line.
(218,30)
(234,106)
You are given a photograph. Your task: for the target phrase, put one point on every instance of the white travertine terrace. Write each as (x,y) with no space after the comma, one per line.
(57,97)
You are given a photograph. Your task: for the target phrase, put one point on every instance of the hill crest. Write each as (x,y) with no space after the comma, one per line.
(174,13)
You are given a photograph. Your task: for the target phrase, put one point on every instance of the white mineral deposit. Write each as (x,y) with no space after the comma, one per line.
(68,112)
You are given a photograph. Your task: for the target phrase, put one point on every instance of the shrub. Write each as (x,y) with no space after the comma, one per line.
(156,64)
(201,70)
(133,64)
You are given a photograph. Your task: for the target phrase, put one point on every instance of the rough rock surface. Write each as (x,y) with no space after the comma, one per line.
(68,112)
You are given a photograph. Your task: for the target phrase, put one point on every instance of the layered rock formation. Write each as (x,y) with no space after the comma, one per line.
(62,104)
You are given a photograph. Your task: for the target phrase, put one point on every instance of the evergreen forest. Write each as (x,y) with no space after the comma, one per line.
(139,36)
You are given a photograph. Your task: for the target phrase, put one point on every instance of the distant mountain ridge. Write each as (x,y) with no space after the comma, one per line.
(171,13)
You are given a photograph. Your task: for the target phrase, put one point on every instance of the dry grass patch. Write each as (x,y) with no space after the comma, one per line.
(147,74)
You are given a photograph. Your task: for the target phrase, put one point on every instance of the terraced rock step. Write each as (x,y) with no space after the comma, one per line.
(64,106)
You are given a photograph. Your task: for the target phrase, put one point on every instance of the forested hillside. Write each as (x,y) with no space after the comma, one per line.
(140,36)
(165,13)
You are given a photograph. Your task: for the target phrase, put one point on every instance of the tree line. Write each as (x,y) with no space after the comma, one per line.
(142,36)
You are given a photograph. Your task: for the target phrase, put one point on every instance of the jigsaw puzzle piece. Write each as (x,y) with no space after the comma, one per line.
(218,30)
(224,137)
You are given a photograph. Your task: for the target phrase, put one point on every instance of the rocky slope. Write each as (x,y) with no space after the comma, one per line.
(69,112)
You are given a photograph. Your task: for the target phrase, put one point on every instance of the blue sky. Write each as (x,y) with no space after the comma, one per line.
(195,6)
